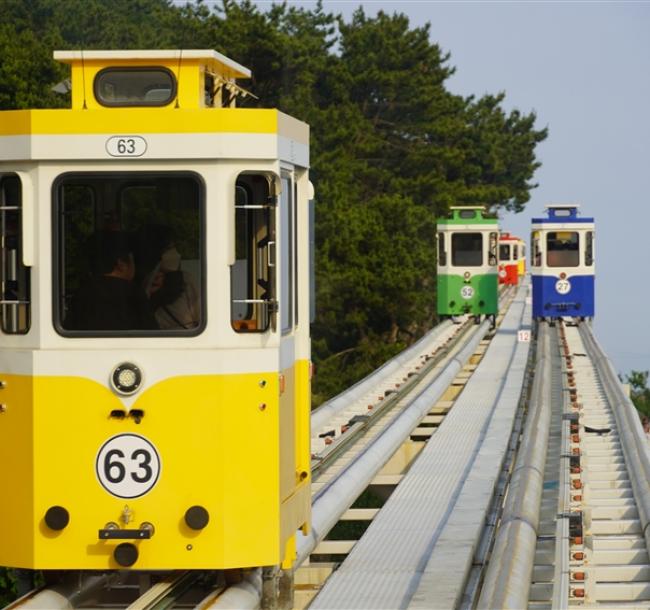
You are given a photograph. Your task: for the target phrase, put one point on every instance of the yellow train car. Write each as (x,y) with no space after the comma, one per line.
(521,263)
(154,327)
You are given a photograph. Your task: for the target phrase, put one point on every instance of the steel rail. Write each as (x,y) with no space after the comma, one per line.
(327,510)
(406,552)
(66,595)
(338,447)
(165,594)
(508,576)
(561,578)
(416,367)
(321,415)
(245,595)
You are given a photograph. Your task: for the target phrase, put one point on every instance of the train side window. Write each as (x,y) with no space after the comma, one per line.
(492,250)
(287,249)
(442,251)
(467,249)
(589,249)
(504,252)
(536,252)
(14,275)
(562,249)
(515,253)
(252,277)
(295,252)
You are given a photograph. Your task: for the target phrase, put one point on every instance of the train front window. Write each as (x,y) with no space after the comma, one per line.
(504,252)
(129,254)
(14,275)
(153,86)
(562,249)
(467,249)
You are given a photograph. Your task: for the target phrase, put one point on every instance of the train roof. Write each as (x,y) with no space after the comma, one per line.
(155,98)
(562,213)
(213,60)
(467,215)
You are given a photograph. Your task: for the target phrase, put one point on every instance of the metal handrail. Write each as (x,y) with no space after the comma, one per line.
(636,450)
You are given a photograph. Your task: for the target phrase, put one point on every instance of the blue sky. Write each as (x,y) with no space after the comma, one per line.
(584,68)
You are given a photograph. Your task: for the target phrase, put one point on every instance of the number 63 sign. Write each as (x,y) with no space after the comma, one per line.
(126,146)
(128,466)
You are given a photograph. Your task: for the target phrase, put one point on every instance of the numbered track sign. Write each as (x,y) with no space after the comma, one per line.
(523,336)
(128,466)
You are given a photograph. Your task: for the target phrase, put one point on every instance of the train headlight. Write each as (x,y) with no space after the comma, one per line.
(126,378)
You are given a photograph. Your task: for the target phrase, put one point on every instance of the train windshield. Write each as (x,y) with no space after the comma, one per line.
(504,252)
(467,249)
(135,86)
(562,249)
(130,254)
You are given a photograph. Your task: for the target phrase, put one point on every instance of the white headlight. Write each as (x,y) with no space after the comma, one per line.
(126,378)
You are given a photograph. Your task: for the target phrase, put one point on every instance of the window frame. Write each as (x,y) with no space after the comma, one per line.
(148,104)
(589,248)
(20,265)
(287,253)
(270,208)
(442,249)
(536,254)
(508,258)
(480,250)
(549,251)
(56,259)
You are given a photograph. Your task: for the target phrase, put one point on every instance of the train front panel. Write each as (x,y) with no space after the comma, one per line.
(508,259)
(563,264)
(467,275)
(154,328)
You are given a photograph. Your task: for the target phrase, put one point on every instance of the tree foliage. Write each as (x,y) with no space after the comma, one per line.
(639,391)
(391,146)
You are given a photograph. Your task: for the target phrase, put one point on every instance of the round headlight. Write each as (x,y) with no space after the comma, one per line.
(126,378)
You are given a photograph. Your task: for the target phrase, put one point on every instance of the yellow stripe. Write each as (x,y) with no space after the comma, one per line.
(138,120)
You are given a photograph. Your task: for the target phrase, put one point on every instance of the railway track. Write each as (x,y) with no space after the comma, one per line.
(373,404)
(588,531)
(577,537)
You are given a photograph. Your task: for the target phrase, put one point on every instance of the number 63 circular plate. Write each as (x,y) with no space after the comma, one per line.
(128,466)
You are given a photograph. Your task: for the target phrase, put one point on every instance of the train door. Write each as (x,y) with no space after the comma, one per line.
(254,304)
(288,323)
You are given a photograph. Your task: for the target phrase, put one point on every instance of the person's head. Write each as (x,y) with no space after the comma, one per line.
(156,246)
(110,253)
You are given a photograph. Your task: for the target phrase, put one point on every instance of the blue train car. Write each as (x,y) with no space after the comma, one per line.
(562,264)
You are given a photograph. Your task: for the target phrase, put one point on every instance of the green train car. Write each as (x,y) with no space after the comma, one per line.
(467,263)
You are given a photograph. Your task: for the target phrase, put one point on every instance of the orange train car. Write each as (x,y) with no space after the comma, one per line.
(509,259)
